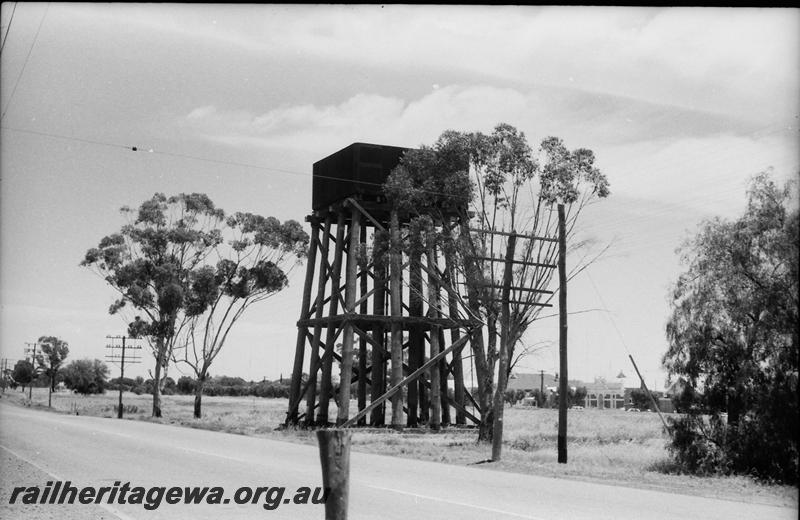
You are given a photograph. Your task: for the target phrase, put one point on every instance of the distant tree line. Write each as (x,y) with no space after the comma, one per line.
(83,376)
(213,386)
(547,399)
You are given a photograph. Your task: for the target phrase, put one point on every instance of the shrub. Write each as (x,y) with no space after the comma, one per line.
(185,385)
(697,447)
(86,376)
(750,446)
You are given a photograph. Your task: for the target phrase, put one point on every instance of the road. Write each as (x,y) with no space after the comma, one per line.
(36,447)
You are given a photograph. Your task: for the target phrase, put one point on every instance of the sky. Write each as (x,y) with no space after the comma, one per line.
(682,106)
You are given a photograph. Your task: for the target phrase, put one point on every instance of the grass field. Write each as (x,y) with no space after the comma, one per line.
(613,447)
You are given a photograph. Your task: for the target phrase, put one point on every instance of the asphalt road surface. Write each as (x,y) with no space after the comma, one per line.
(37,447)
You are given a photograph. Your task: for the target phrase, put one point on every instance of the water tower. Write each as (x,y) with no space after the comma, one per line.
(389,326)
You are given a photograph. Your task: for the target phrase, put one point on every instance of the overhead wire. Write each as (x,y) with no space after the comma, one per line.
(604,223)
(8,27)
(632,245)
(137,148)
(25,63)
(608,313)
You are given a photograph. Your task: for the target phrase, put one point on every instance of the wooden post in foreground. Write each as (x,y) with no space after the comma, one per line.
(334,456)
(563,382)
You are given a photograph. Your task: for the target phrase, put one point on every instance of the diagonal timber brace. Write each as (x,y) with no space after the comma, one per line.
(411,377)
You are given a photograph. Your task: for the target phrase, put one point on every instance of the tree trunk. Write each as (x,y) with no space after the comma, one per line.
(502,372)
(486,428)
(198,395)
(160,347)
(486,382)
(484,357)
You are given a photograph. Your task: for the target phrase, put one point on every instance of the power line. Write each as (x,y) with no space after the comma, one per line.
(185,156)
(608,313)
(626,246)
(8,28)
(66,137)
(25,63)
(134,148)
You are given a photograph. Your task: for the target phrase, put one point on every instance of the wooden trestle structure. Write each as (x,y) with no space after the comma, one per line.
(401,326)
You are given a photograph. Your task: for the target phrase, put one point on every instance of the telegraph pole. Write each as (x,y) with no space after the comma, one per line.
(115,357)
(31,347)
(563,386)
(541,387)
(505,323)
(4,373)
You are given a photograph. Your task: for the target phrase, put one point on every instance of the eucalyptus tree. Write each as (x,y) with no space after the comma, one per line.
(52,353)
(192,273)
(256,256)
(149,263)
(518,191)
(499,186)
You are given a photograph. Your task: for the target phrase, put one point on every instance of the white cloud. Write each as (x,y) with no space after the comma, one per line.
(648,151)
(707,174)
(363,117)
(590,119)
(739,62)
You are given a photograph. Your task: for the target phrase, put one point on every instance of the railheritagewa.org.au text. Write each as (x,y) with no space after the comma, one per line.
(153,497)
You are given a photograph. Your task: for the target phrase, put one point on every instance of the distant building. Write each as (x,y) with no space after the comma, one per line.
(531,382)
(602,394)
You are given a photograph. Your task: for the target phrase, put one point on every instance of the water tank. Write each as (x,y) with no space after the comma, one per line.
(359,169)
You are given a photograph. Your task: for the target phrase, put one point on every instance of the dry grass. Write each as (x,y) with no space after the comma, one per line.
(612,447)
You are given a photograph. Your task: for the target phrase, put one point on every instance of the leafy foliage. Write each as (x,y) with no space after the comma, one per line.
(640,399)
(149,263)
(23,373)
(512,397)
(565,170)
(733,339)
(86,376)
(432,180)
(52,353)
(489,183)
(192,271)
(577,397)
